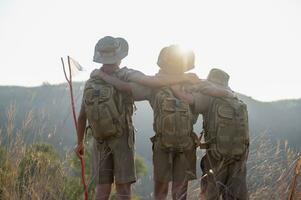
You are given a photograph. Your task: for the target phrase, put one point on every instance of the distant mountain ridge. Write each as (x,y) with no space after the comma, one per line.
(280,118)
(50,106)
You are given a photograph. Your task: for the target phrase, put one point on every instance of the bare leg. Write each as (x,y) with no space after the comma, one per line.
(179,190)
(161,190)
(123,191)
(103,191)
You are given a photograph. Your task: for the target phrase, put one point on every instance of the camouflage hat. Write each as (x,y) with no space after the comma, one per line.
(172,58)
(218,76)
(110,50)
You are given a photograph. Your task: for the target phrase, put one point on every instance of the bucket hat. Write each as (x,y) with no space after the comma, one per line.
(110,50)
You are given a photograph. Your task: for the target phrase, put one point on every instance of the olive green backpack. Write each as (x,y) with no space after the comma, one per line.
(108,110)
(173,121)
(226,128)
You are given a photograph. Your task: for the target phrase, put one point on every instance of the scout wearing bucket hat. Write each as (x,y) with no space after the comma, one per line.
(109,114)
(109,50)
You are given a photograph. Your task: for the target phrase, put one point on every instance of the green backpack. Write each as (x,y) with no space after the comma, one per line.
(226,128)
(173,121)
(108,110)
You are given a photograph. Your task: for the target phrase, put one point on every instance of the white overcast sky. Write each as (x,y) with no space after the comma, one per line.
(258,42)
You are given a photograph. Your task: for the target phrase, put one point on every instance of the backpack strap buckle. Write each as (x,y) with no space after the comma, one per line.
(204,145)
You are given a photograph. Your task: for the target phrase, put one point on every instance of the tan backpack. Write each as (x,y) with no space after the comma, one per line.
(226,128)
(108,110)
(173,121)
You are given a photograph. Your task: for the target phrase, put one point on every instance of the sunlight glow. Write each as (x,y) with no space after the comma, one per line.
(184,49)
(256,50)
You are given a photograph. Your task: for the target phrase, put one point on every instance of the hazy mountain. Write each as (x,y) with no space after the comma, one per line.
(280,118)
(49,106)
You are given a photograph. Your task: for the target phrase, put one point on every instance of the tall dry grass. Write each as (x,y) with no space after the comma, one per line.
(270,168)
(31,171)
(37,172)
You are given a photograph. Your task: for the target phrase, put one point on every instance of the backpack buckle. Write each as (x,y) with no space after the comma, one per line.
(96,93)
(204,145)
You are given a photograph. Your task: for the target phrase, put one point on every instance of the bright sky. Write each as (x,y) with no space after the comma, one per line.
(258,42)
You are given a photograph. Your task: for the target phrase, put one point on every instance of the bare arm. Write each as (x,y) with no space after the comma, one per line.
(164,80)
(138,92)
(81,126)
(157,81)
(210,89)
(117,83)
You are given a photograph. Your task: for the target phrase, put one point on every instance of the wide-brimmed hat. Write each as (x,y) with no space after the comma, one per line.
(218,76)
(174,58)
(110,50)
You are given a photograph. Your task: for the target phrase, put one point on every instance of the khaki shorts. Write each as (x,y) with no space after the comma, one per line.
(113,160)
(225,178)
(173,166)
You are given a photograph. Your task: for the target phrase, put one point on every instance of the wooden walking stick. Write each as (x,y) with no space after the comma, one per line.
(69,81)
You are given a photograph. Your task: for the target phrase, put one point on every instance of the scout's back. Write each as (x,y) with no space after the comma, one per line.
(226,128)
(173,121)
(108,110)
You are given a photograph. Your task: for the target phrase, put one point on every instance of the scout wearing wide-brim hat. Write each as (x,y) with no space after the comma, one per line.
(110,50)
(173,59)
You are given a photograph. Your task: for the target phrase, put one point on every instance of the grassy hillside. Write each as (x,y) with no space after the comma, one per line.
(43,114)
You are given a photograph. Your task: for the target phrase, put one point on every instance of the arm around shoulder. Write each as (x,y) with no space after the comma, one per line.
(117,83)
(208,88)
(162,80)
